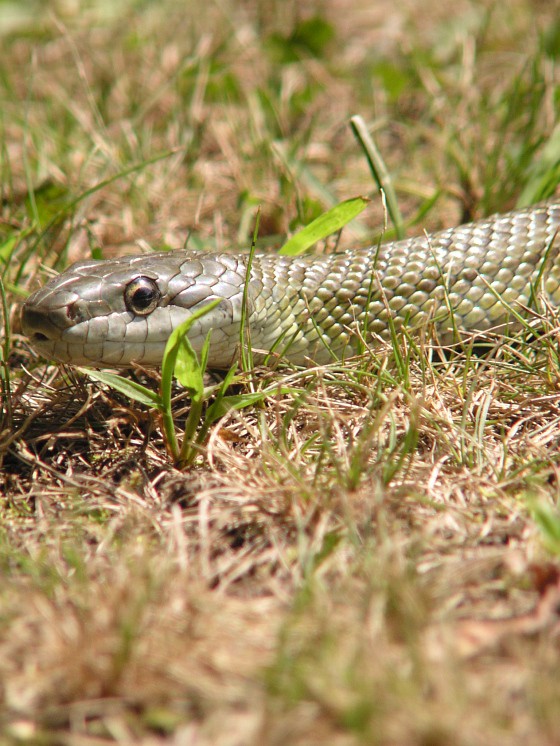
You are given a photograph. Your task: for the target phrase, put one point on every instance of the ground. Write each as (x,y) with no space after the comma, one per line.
(367,554)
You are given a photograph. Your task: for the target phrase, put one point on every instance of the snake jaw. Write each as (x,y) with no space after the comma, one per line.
(85,317)
(38,328)
(75,319)
(45,330)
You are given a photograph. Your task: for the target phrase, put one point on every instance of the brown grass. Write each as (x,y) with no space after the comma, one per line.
(361,562)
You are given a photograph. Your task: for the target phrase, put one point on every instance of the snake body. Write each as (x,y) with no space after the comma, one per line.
(474,278)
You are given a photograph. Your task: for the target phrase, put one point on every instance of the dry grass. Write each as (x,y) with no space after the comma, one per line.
(373,559)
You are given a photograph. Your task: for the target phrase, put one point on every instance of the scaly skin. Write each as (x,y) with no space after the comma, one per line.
(305,308)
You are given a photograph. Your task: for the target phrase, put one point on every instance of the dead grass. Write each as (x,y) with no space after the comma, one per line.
(372,560)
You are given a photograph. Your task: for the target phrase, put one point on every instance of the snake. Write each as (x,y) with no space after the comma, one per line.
(474,279)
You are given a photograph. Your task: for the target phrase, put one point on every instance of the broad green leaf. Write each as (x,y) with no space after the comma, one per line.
(172,349)
(224,404)
(236,401)
(130,388)
(204,353)
(188,370)
(325,225)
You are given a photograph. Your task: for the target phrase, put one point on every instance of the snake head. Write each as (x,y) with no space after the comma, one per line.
(122,311)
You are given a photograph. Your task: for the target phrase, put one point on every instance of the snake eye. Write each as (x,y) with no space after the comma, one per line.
(141,296)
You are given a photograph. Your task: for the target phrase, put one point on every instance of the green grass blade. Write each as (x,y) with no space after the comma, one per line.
(380,172)
(133,390)
(325,225)
(172,350)
(236,401)
(188,369)
(5,353)
(180,361)
(544,173)
(244,328)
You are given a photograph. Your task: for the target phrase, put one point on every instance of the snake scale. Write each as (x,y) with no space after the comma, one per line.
(474,278)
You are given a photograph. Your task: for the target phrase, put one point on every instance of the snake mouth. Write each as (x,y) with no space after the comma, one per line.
(39,327)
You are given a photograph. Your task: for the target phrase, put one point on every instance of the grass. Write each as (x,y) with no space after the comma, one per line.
(368,553)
